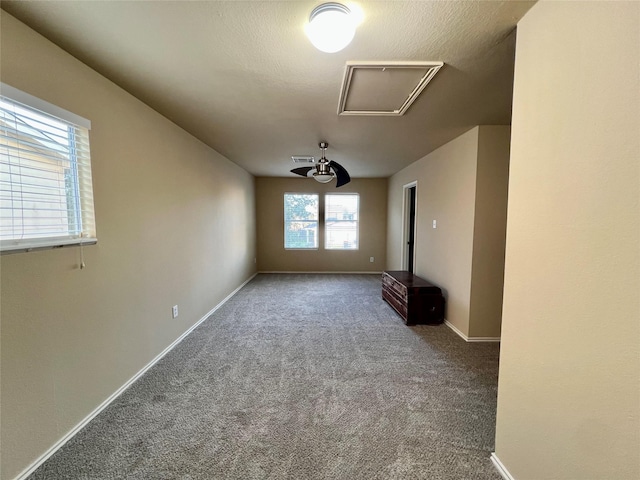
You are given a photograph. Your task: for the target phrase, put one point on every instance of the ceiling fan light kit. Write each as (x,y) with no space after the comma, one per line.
(331,27)
(325,170)
(323,177)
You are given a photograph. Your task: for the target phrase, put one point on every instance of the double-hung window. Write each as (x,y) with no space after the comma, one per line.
(300,221)
(46,196)
(341,221)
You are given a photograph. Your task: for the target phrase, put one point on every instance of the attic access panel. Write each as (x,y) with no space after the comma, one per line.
(383,88)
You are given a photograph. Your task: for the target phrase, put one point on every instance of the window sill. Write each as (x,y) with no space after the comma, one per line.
(34,246)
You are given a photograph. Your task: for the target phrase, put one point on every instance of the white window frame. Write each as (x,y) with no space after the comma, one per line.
(327,230)
(80,167)
(317,220)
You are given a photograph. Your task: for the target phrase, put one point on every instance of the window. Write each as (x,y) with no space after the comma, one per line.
(46,196)
(341,221)
(300,220)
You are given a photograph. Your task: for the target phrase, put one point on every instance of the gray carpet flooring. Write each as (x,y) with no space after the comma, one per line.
(300,377)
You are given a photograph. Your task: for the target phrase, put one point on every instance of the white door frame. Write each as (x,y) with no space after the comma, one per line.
(406,198)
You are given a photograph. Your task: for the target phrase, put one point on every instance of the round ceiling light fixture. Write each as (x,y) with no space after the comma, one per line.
(331,27)
(323,177)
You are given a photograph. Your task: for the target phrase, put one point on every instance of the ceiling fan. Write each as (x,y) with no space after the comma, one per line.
(325,170)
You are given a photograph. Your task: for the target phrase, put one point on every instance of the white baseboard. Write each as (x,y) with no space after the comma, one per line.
(455,329)
(470,339)
(502,470)
(331,273)
(69,435)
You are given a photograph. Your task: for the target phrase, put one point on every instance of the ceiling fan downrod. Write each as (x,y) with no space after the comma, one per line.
(323,173)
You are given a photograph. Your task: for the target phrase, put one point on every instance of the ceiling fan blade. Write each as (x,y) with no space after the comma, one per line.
(341,174)
(302,171)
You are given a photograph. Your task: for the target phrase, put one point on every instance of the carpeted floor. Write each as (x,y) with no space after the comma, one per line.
(300,377)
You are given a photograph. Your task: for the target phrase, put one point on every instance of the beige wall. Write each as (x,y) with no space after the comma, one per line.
(459,181)
(175,223)
(569,386)
(446,193)
(273,257)
(489,231)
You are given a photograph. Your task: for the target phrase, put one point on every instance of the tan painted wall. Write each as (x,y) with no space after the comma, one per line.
(569,387)
(463,186)
(175,223)
(489,231)
(270,227)
(445,193)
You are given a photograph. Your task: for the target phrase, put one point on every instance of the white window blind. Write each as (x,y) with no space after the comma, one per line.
(341,221)
(300,221)
(46,195)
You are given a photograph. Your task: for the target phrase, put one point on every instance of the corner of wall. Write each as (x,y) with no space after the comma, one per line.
(489,235)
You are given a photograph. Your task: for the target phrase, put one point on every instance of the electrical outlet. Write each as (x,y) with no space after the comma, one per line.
(371,259)
(434,224)
(174,311)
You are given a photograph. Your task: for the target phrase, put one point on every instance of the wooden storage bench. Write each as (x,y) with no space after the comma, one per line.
(416,300)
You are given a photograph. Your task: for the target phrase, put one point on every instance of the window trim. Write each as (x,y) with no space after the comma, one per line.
(326,230)
(36,244)
(317,221)
(44,106)
(16,245)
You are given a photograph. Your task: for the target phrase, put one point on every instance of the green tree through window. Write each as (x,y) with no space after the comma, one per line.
(300,220)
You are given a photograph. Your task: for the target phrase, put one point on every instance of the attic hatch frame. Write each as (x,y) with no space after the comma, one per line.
(352,66)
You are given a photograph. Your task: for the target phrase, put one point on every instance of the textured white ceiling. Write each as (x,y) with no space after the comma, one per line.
(242,77)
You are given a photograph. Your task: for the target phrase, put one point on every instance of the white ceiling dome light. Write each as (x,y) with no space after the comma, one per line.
(331,27)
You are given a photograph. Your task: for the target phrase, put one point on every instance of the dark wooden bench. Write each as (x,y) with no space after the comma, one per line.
(416,300)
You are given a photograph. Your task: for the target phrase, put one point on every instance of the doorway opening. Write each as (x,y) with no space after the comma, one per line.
(410,192)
